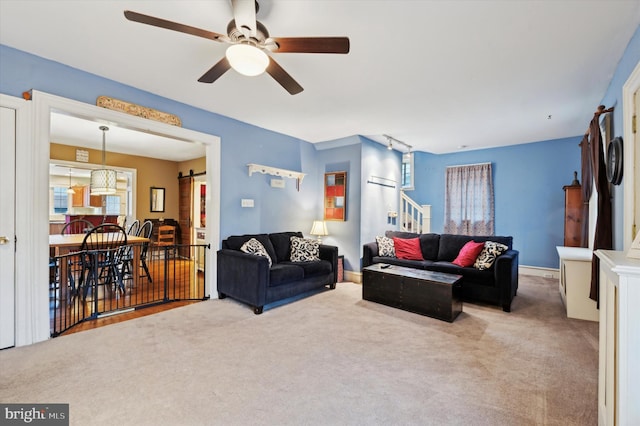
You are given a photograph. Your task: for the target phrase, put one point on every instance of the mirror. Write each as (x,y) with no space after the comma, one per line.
(157,200)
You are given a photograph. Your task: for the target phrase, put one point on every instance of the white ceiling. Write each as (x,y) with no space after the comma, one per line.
(437,75)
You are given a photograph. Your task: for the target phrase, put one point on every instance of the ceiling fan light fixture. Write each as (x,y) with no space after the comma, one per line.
(247,59)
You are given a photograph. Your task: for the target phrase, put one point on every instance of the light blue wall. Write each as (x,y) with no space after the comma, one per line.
(377,200)
(529,199)
(335,156)
(613,97)
(275,209)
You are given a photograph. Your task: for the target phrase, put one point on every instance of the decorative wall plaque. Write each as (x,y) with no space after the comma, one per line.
(138,111)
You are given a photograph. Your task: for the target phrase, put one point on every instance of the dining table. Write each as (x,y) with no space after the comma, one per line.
(62,244)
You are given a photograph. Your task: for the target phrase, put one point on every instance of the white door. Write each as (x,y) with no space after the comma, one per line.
(7,226)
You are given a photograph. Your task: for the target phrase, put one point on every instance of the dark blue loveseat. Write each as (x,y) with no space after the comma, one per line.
(249,278)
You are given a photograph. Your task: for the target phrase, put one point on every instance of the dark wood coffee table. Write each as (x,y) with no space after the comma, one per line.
(434,294)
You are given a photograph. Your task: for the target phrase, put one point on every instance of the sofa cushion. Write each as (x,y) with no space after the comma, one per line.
(282,244)
(408,248)
(304,249)
(429,244)
(418,264)
(235,242)
(312,269)
(385,247)
(489,254)
(450,246)
(468,254)
(254,246)
(471,274)
(283,273)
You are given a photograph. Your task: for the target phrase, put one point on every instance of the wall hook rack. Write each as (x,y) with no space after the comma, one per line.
(258,168)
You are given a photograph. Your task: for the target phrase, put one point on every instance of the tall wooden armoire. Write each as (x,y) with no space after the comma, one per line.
(573,214)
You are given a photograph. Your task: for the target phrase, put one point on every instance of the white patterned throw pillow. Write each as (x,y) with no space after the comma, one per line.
(254,246)
(304,249)
(386,248)
(489,254)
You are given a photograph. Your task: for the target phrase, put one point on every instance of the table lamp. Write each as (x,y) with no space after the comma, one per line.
(319,228)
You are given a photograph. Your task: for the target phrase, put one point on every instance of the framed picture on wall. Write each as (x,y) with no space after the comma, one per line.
(335,196)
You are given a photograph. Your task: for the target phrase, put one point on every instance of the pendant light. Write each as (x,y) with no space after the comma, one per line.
(103,181)
(70,190)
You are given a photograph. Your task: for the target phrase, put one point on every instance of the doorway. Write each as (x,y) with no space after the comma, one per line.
(32,201)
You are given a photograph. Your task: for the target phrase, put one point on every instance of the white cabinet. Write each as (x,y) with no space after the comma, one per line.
(575,282)
(619,352)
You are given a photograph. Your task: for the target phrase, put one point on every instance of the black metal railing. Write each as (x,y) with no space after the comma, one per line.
(91,284)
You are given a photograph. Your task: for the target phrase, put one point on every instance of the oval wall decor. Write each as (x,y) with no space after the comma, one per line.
(614,161)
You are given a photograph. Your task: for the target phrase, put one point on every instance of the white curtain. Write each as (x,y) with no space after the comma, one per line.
(468,202)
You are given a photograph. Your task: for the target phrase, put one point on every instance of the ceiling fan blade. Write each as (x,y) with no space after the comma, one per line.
(244,13)
(312,44)
(215,71)
(282,77)
(170,25)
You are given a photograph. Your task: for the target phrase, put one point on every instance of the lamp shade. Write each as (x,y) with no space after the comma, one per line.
(247,60)
(319,228)
(103,182)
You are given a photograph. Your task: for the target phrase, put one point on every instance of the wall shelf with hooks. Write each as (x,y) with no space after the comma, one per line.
(267,170)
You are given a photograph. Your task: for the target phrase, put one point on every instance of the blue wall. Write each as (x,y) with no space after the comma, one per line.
(275,209)
(335,156)
(529,199)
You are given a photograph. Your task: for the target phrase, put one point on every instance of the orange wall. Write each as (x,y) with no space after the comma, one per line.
(150,172)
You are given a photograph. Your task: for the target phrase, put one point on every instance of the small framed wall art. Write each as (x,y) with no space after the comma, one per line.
(335,196)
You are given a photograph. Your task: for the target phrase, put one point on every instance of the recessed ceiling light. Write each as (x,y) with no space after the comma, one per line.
(462,146)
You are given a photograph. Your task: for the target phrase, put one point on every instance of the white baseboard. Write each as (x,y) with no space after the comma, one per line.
(539,271)
(356,277)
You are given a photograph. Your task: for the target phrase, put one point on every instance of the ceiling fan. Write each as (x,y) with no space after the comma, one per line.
(249,41)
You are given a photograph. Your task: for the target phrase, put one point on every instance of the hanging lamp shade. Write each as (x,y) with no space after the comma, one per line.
(103,181)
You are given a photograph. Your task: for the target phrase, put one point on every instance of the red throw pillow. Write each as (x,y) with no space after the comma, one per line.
(408,248)
(468,254)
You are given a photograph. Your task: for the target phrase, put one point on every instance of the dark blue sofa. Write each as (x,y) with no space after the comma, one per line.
(497,285)
(249,279)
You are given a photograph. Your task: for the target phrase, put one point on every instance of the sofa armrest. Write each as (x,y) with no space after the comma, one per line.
(243,276)
(369,251)
(506,276)
(330,254)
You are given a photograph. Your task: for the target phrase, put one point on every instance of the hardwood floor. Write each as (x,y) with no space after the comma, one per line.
(137,313)
(174,283)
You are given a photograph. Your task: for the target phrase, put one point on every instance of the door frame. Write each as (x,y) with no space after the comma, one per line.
(631,166)
(32,199)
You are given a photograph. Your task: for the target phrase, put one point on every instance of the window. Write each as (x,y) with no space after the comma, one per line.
(468,203)
(406,172)
(60,200)
(113,204)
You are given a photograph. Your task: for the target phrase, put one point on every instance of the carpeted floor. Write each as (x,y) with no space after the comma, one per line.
(327,359)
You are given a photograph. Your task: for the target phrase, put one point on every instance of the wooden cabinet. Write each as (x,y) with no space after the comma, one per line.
(573,215)
(335,196)
(82,197)
(619,337)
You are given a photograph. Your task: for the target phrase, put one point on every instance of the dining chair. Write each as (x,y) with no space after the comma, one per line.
(134,228)
(101,257)
(74,265)
(77,226)
(126,255)
(145,231)
(166,238)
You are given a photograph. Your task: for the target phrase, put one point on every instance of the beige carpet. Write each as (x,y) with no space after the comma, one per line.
(327,359)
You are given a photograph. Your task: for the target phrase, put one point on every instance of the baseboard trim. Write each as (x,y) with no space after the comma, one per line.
(539,271)
(356,277)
